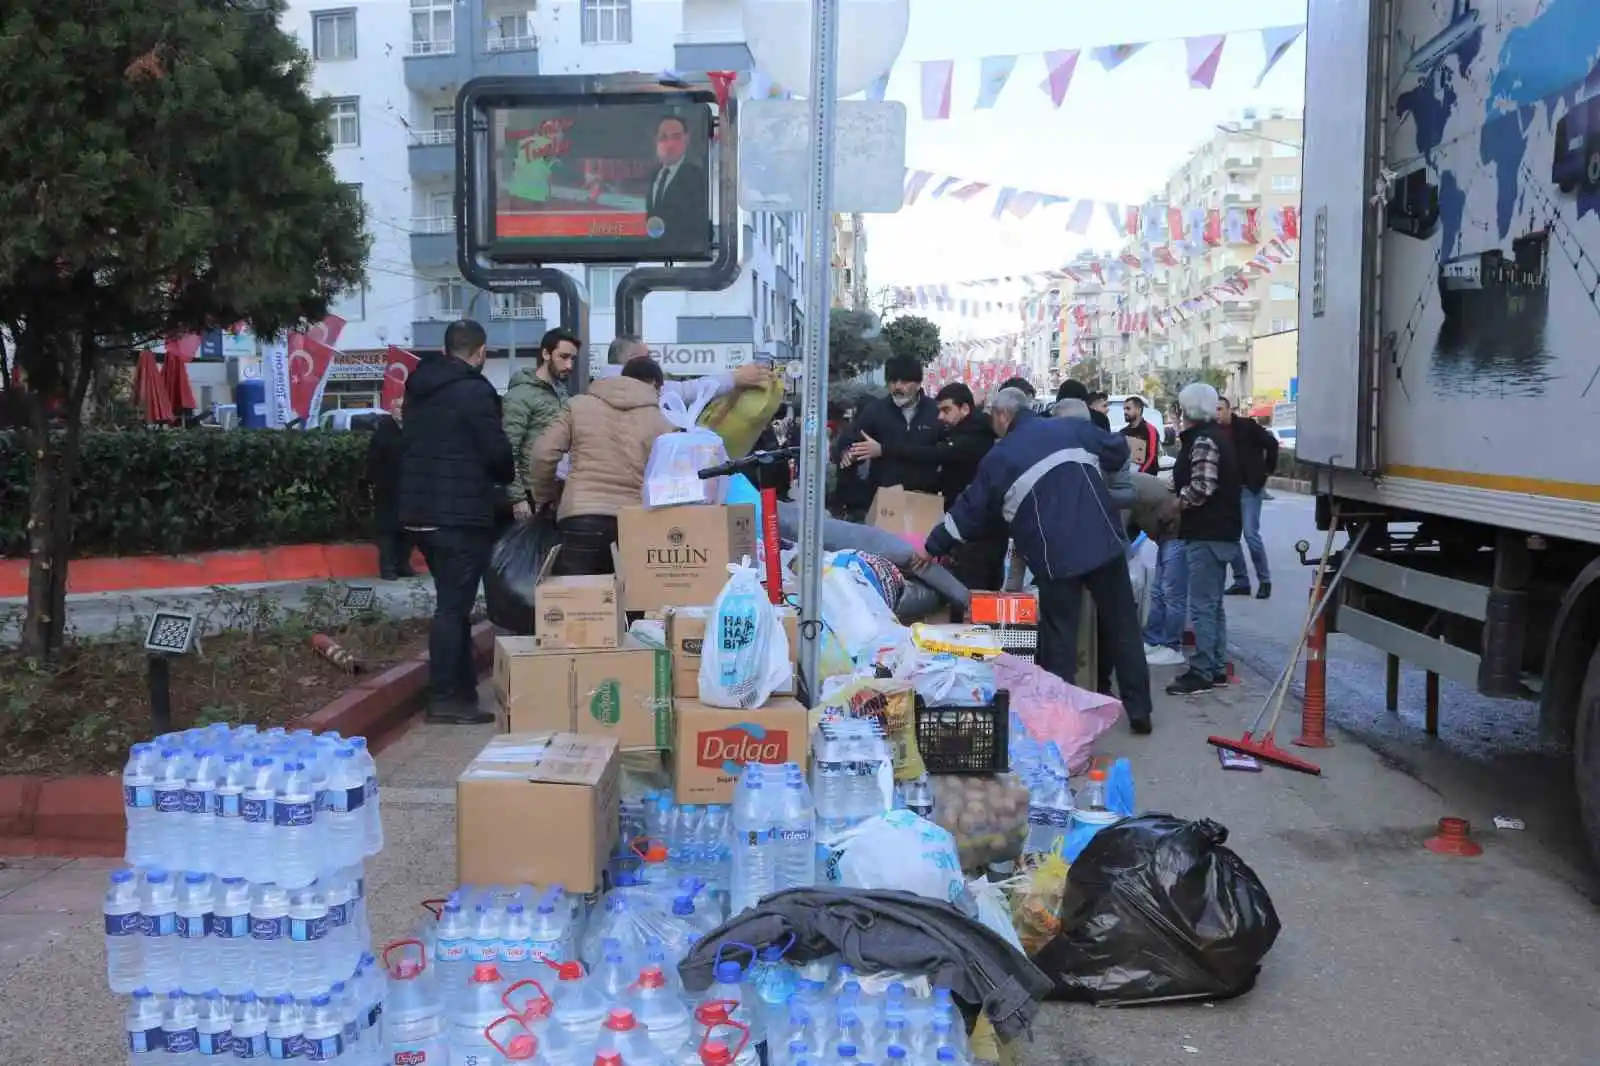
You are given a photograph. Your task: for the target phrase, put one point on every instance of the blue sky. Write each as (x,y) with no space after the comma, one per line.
(1116,137)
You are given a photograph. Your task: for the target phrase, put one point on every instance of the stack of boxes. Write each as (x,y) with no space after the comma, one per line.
(539,804)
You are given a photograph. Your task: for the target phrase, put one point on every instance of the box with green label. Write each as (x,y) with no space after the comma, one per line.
(624,693)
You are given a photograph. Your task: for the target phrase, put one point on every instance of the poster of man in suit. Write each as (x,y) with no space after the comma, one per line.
(678,196)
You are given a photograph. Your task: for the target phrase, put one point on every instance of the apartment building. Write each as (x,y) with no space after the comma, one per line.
(1058,345)
(848,277)
(392,69)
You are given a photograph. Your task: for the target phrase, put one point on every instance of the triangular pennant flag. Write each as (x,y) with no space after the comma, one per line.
(1024,202)
(1175,228)
(1275,41)
(969,190)
(1049,200)
(1082,213)
(1235,226)
(1114,213)
(943,187)
(1204,55)
(877,90)
(1289,224)
(936,78)
(1061,66)
(1002,201)
(993,73)
(1130,226)
(915,183)
(1112,56)
(1252,225)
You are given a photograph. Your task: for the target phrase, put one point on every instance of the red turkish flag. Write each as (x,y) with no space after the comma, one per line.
(1252,225)
(1289,225)
(1213,233)
(185,347)
(309,360)
(399,364)
(327,331)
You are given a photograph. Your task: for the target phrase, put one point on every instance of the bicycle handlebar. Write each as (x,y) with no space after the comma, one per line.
(754,459)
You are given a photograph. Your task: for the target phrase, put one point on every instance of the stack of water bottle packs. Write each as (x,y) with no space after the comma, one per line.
(239,926)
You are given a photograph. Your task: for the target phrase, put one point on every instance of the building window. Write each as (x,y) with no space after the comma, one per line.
(1285,182)
(344,122)
(607,21)
(351,306)
(352,189)
(451,299)
(603,282)
(1283,291)
(333,35)
(433,27)
(1282,325)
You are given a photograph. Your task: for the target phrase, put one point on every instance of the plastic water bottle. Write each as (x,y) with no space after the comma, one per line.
(198,799)
(754,868)
(344,1002)
(451,938)
(309,962)
(269,938)
(688,831)
(124,932)
(295,827)
(139,806)
(372,987)
(716,851)
(322,1031)
(1092,797)
(214,1028)
(579,1007)
(1060,808)
(230,933)
(180,1030)
(413,1024)
(347,812)
(830,787)
(481,1004)
(197,965)
(171,823)
(342,949)
(373,840)
(484,945)
(227,822)
(516,943)
(256,812)
(622,1035)
(919,797)
(249,1027)
(285,1029)
(794,832)
(663,1015)
(142,1026)
(548,933)
(159,908)
(1042,837)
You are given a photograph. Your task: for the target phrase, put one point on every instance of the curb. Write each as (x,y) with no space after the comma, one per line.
(81,816)
(137,573)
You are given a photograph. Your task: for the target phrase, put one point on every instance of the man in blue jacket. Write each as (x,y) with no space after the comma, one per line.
(1046,481)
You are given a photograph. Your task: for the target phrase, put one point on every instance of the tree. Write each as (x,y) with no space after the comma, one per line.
(166,171)
(1175,379)
(913,335)
(855,343)
(1086,371)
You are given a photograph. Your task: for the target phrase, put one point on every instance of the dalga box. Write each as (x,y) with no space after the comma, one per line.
(713,744)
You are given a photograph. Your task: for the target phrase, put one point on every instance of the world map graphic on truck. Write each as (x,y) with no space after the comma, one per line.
(629,178)
(1491,255)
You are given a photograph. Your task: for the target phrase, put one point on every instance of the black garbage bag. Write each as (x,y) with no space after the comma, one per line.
(1157,909)
(514,570)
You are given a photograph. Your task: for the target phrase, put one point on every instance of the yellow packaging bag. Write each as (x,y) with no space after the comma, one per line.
(893,704)
(740,416)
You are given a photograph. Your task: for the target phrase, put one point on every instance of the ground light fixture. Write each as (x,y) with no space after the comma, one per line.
(358,599)
(171,634)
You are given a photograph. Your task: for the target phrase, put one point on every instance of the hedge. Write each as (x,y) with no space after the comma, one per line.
(144,491)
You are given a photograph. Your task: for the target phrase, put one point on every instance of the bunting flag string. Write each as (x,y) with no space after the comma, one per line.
(1202,54)
(1197,227)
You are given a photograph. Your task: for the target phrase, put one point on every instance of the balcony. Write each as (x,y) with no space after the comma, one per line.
(1240,308)
(434,66)
(432,154)
(695,53)
(1239,161)
(524,329)
(1242,198)
(508,53)
(433,242)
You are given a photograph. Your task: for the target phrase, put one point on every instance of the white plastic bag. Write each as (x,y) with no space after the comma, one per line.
(899,850)
(1142,556)
(853,610)
(745,658)
(945,680)
(672,473)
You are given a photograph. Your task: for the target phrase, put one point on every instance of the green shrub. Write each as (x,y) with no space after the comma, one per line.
(142,491)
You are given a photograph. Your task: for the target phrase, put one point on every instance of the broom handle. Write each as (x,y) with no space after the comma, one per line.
(1288,669)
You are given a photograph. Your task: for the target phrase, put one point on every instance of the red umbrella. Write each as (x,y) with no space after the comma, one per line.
(180,393)
(149,390)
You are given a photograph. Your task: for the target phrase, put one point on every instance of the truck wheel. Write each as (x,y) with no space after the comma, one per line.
(1591,164)
(1586,755)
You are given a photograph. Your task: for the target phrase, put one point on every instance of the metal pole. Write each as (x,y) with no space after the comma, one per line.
(814,388)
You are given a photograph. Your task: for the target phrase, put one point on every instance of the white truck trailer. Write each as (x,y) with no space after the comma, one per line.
(1450,341)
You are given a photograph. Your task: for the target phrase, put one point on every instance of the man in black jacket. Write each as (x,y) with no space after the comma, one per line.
(1257,452)
(384,452)
(457,461)
(888,425)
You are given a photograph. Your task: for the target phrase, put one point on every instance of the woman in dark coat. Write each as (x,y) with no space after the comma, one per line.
(383,474)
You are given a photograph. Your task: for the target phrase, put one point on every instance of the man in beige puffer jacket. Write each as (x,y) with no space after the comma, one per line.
(608,432)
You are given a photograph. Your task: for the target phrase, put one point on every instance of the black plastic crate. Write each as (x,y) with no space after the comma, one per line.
(966,740)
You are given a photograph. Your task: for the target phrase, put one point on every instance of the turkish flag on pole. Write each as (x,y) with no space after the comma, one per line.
(309,360)
(399,364)
(327,331)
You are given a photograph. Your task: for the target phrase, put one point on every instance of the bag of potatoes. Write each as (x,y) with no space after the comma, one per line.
(986,813)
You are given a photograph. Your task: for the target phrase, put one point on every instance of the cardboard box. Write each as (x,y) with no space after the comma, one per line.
(679,556)
(714,743)
(538,808)
(686,634)
(906,514)
(623,693)
(583,611)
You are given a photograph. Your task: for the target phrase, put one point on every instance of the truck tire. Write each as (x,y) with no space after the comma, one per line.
(1586,755)
(1591,164)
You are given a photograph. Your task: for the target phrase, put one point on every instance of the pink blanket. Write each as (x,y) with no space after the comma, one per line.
(1051,709)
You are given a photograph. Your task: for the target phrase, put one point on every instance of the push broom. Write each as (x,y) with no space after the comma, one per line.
(1260,742)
